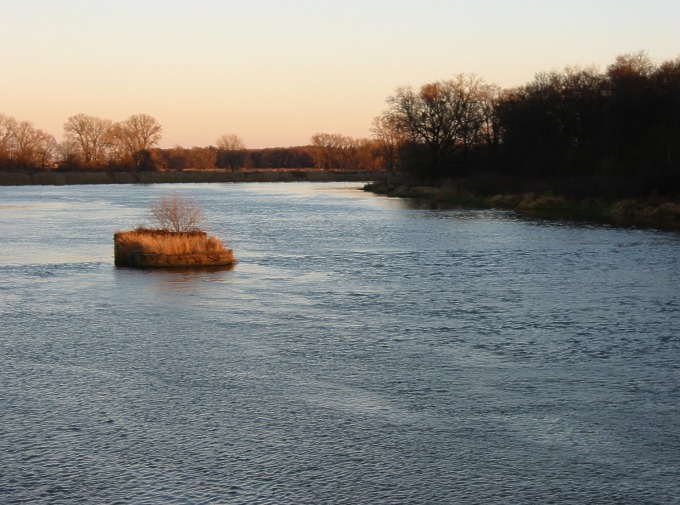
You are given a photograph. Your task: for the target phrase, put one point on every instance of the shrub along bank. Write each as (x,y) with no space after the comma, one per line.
(549,200)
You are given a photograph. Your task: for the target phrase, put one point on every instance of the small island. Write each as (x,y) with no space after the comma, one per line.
(175,241)
(143,247)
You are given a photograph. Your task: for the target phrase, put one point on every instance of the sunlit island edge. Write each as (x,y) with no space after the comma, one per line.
(149,248)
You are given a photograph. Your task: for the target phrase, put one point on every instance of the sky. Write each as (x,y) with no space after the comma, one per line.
(277,72)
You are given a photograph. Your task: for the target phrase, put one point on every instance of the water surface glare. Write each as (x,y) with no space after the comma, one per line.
(360,352)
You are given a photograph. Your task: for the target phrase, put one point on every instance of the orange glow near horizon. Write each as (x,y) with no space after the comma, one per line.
(275,74)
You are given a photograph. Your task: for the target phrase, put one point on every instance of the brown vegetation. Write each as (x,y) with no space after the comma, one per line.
(577,142)
(553,202)
(176,241)
(143,247)
(176,214)
(188,176)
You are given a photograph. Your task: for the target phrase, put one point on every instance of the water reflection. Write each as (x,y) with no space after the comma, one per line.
(166,283)
(182,272)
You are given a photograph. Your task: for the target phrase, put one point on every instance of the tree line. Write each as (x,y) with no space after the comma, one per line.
(93,143)
(89,142)
(22,145)
(325,151)
(621,123)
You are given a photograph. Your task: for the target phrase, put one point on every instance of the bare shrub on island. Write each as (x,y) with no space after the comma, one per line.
(176,214)
(175,240)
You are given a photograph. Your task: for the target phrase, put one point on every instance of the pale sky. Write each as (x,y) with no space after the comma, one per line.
(276,72)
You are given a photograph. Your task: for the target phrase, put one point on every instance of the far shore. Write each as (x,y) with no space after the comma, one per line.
(58,178)
(651,212)
(545,202)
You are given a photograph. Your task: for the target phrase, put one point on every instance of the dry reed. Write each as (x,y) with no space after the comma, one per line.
(146,247)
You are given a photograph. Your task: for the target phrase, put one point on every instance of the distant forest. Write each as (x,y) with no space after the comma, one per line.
(623,124)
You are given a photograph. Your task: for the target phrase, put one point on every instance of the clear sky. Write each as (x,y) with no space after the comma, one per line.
(276,72)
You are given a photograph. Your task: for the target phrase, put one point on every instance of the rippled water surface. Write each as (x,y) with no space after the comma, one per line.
(360,352)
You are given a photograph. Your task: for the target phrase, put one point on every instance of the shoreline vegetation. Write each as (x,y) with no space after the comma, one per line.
(580,144)
(605,201)
(59,178)
(547,201)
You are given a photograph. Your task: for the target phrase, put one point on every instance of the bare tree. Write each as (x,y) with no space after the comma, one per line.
(119,153)
(230,142)
(142,132)
(489,131)
(388,140)
(200,158)
(443,116)
(428,118)
(68,155)
(632,64)
(46,151)
(130,141)
(7,127)
(92,136)
(231,151)
(176,214)
(33,147)
(332,150)
(24,145)
(101,141)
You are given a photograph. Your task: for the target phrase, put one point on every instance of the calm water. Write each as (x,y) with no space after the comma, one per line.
(360,352)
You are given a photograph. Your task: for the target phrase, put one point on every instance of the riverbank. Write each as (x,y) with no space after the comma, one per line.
(651,212)
(185,176)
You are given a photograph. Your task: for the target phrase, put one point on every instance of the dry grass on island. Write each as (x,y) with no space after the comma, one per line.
(143,247)
(176,242)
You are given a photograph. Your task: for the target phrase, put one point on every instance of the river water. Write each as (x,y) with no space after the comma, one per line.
(360,352)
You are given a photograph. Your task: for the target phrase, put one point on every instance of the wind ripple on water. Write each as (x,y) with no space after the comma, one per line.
(360,352)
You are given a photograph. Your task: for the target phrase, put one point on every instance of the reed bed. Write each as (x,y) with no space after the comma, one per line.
(145,247)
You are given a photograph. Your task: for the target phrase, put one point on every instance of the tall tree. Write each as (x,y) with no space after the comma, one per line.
(7,127)
(46,151)
(331,150)
(92,136)
(142,132)
(667,84)
(33,147)
(553,123)
(630,112)
(138,134)
(23,145)
(442,117)
(231,151)
(389,139)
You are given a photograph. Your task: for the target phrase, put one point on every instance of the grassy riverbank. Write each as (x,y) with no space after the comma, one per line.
(648,212)
(186,176)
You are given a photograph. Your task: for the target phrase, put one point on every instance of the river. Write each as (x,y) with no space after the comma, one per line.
(361,351)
